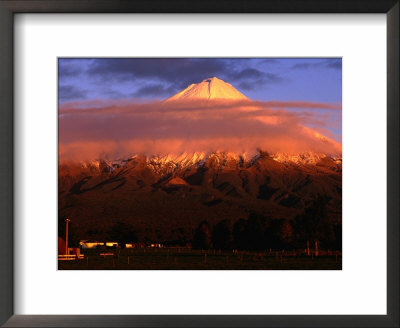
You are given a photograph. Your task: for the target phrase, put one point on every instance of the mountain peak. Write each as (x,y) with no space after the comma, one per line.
(209,89)
(211,79)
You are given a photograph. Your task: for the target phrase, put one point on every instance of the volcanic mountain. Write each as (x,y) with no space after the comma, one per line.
(214,91)
(162,195)
(209,89)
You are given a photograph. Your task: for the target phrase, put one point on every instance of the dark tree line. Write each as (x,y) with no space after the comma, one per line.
(123,233)
(258,232)
(313,226)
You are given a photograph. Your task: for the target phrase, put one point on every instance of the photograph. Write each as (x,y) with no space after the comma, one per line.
(184,162)
(202,163)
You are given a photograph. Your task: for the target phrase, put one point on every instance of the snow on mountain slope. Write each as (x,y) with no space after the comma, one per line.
(169,164)
(208,89)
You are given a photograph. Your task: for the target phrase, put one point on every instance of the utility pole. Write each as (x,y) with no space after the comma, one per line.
(66,235)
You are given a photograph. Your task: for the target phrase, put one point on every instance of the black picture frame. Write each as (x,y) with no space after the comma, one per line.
(10,7)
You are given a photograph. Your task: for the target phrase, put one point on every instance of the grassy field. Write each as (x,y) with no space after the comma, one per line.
(188,259)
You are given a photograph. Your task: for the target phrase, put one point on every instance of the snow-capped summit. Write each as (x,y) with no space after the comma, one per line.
(211,88)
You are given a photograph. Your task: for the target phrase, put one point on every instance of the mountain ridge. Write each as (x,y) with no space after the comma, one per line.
(166,195)
(197,159)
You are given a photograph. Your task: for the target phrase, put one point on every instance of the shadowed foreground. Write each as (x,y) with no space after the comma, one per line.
(188,259)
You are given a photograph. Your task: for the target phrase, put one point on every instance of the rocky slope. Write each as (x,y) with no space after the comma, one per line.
(162,194)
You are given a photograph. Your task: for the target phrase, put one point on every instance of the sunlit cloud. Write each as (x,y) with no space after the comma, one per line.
(121,128)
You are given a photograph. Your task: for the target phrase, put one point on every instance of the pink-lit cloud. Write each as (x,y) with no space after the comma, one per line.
(89,130)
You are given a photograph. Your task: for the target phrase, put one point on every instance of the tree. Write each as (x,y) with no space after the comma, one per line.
(122,233)
(221,235)
(286,233)
(338,236)
(312,225)
(273,234)
(250,234)
(177,237)
(239,240)
(254,232)
(202,236)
